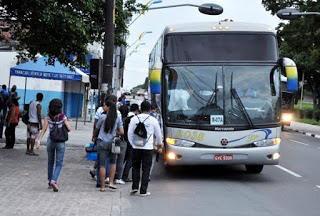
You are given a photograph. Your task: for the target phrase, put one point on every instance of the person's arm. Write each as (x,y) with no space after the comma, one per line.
(97,129)
(130,130)
(39,107)
(120,126)
(157,133)
(95,134)
(12,112)
(43,131)
(67,125)
(95,124)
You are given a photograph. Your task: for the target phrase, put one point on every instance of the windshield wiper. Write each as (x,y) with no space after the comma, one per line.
(240,105)
(214,96)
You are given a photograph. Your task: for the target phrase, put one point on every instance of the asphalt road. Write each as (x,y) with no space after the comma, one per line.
(290,188)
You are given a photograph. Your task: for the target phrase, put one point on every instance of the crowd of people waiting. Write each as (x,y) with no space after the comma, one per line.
(114,120)
(117,118)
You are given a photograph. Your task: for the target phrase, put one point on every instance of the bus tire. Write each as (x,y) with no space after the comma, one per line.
(254,168)
(169,168)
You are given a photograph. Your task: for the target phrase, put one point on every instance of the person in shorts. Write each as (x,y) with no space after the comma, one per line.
(109,124)
(35,124)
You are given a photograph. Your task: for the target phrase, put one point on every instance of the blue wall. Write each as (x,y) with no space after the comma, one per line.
(69,100)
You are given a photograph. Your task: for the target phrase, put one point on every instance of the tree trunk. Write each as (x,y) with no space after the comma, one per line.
(316,95)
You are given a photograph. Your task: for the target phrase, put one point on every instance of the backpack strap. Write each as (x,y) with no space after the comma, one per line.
(145,119)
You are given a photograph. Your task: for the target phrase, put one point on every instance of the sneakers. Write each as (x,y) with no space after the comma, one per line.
(107,180)
(134,191)
(54,186)
(92,173)
(146,194)
(119,181)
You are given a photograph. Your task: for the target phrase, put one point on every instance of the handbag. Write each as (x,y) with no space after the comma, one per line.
(115,148)
(59,134)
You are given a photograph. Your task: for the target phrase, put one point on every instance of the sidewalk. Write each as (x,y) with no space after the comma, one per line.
(23,185)
(307,129)
(23,182)
(79,137)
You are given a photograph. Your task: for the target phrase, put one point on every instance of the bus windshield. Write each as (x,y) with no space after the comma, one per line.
(202,95)
(221,47)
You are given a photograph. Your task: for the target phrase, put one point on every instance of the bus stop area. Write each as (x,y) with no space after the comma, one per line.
(23,183)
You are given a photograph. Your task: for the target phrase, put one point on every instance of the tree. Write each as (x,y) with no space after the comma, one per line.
(141,86)
(300,40)
(57,28)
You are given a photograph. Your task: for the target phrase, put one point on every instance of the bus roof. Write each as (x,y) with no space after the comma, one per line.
(214,26)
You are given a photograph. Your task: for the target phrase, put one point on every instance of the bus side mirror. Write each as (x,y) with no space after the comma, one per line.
(292,74)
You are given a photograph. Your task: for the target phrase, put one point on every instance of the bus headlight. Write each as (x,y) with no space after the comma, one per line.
(286,117)
(267,142)
(179,142)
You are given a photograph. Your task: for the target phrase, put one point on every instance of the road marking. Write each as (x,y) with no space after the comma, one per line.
(300,143)
(318,186)
(289,171)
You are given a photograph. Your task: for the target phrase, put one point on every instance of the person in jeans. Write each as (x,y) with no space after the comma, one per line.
(134,110)
(12,122)
(55,150)
(143,148)
(106,129)
(155,113)
(4,97)
(35,124)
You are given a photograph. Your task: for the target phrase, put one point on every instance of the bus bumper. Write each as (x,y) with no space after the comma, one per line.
(223,156)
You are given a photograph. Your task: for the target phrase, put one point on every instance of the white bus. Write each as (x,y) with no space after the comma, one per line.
(218,87)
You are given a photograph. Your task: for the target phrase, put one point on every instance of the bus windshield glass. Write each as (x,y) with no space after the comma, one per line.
(220,47)
(202,95)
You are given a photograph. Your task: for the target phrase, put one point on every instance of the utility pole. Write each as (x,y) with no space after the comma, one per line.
(106,86)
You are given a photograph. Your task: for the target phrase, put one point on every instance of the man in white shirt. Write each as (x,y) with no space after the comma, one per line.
(143,148)
(35,125)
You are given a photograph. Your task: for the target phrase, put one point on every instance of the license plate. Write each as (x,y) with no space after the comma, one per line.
(223,157)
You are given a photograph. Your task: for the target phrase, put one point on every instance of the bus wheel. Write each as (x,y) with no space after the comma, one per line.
(254,168)
(170,169)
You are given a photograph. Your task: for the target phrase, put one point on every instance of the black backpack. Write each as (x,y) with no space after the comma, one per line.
(25,115)
(141,129)
(126,122)
(3,100)
(58,134)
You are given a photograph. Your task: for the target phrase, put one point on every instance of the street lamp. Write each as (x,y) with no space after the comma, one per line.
(208,8)
(143,11)
(293,14)
(140,36)
(136,49)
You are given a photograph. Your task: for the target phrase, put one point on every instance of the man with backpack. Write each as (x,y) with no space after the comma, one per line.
(4,97)
(141,132)
(128,157)
(35,125)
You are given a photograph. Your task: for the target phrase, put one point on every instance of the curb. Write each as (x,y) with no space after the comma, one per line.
(305,133)
(24,141)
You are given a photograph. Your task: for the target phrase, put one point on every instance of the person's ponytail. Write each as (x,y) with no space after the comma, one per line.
(110,121)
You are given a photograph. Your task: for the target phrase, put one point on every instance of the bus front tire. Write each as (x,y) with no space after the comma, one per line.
(254,168)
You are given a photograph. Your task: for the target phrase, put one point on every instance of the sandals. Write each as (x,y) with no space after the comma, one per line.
(113,187)
(102,190)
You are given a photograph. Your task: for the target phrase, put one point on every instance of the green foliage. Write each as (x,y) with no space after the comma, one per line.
(308,121)
(141,86)
(304,106)
(57,28)
(300,40)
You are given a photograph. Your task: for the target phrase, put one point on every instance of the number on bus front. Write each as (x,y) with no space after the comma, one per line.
(190,135)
